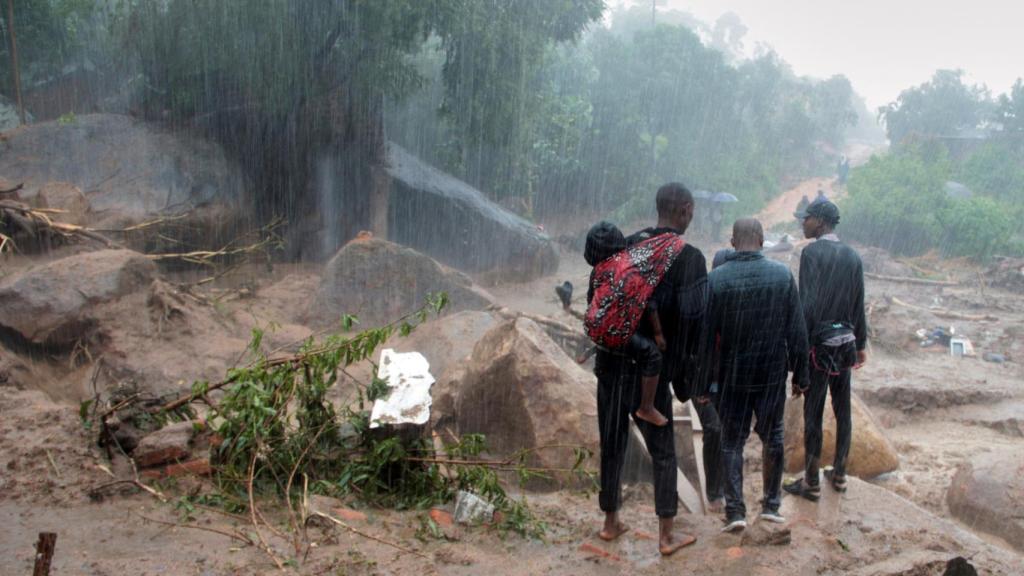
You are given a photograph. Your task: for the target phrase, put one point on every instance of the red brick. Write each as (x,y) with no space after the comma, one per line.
(198,467)
(441,517)
(349,515)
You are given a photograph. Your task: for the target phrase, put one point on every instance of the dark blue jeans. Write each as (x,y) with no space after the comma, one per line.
(618,396)
(736,408)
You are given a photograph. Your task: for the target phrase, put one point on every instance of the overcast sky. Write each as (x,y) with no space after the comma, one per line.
(884,46)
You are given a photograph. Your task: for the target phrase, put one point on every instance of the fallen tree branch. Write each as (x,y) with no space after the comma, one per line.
(235,535)
(948,314)
(908,280)
(12,190)
(38,218)
(358,532)
(95,490)
(252,514)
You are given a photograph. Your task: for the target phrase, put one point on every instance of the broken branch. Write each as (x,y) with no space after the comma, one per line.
(908,280)
(949,314)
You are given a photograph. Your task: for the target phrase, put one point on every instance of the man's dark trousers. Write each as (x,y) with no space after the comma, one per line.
(618,396)
(737,407)
(712,439)
(814,409)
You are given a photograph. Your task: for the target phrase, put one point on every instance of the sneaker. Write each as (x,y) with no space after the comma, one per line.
(799,488)
(773,516)
(735,524)
(838,482)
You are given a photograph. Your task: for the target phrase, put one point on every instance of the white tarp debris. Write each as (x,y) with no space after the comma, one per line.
(408,376)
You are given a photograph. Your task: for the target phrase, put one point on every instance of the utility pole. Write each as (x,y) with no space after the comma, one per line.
(14,60)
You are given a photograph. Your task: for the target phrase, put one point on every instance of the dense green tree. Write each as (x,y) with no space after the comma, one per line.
(943,106)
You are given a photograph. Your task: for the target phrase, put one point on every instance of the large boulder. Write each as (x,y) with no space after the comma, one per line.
(871,453)
(455,223)
(129,170)
(380,281)
(522,392)
(987,493)
(67,198)
(52,303)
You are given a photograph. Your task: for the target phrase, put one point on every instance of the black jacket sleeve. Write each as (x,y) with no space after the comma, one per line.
(796,337)
(860,323)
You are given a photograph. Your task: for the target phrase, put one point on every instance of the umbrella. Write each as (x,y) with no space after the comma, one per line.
(702,194)
(723,197)
(958,191)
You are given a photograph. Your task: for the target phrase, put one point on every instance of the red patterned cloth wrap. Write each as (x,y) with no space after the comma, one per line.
(622,286)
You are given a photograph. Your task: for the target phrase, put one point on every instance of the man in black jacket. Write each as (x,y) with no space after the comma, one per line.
(832,292)
(757,323)
(680,299)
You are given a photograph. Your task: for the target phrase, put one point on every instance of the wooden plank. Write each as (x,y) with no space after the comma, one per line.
(698,455)
(688,496)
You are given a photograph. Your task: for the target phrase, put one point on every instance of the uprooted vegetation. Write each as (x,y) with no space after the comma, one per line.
(275,437)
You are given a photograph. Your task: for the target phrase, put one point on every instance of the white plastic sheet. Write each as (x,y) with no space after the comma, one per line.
(409,380)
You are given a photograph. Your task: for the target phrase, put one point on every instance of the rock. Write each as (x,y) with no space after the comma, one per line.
(52,303)
(987,493)
(521,391)
(168,444)
(761,535)
(64,196)
(380,281)
(129,170)
(871,453)
(453,222)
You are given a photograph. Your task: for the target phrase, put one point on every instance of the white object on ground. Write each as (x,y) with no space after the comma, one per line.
(471,509)
(408,378)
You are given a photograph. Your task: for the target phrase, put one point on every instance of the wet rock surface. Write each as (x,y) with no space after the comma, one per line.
(128,170)
(523,392)
(871,453)
(55,303)
(988,493)
(168,444)
(380,281)
(453,222)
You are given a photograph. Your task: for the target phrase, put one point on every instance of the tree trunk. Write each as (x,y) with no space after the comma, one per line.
(380,191)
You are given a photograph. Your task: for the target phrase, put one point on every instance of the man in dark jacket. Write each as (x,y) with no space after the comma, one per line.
(756,320)
(680,300)
(832,292)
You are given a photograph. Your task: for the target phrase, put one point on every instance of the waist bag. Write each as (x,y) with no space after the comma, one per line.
(833,347)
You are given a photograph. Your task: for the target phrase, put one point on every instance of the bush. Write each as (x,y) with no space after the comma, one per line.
(899,202)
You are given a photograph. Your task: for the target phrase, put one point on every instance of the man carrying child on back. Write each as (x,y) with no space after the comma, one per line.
(679,299)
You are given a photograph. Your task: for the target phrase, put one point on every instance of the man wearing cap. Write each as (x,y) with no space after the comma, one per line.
(832,297)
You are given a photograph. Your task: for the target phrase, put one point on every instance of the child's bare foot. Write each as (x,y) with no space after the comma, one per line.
(613,530)
(651,415)
(660,342)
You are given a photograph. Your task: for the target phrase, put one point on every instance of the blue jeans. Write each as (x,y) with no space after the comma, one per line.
(736,408)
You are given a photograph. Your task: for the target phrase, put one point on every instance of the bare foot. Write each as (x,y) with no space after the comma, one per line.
(612,531)
(651,415)
(669,544)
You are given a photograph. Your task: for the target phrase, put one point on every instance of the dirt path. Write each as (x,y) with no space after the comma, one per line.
(780,210)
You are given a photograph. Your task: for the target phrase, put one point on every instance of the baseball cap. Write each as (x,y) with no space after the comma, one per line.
(824,210)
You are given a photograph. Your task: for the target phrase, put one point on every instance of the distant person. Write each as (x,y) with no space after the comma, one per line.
(716,221)
(680,300)
(756,320)
(832,292)
(820,197)
(604,241)
(843,170)
(801,207)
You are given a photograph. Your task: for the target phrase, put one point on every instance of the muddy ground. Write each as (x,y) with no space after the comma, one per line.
(939,411)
